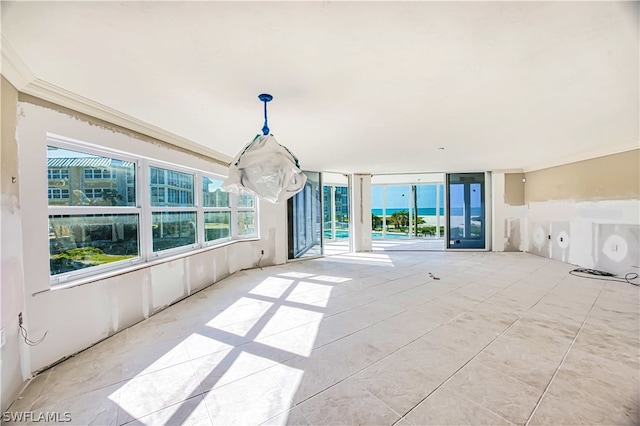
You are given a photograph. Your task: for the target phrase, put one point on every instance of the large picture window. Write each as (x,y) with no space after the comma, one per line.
(93,222)
(103,216)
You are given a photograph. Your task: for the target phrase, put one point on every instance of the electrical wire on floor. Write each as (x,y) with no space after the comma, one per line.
(260,260)
(28,341)
(605,276)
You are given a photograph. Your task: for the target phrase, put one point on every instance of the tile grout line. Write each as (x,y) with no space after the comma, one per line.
(400,313)
(483,407)
(421,336)
(481,350)
(546,389)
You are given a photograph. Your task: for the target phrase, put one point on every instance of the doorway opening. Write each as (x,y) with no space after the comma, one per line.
(335,213)
(408,212)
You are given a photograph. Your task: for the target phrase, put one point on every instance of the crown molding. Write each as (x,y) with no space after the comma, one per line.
(13,67)
(16,71)
(583,157)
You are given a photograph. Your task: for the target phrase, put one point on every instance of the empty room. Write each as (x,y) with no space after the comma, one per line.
(320,213)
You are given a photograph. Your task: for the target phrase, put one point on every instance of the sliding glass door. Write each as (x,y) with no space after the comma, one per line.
(305,219)
(466,211)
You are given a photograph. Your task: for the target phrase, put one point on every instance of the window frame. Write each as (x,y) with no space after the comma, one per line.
(227,209)
(84,210)
(234,216)
(144,210)
(169,209)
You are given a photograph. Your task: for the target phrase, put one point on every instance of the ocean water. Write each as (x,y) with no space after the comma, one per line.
(456,211)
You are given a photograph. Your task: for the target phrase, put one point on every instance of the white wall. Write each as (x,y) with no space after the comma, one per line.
(77,317)
(11,266)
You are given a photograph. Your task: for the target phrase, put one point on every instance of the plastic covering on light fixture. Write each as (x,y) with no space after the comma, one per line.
(265,168)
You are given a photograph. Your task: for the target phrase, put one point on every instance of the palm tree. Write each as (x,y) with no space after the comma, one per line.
(376,221)
(400,219)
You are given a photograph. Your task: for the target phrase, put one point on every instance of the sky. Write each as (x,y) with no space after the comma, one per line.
(398,196)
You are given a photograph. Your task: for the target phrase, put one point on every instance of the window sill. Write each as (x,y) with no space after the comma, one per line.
(142,265)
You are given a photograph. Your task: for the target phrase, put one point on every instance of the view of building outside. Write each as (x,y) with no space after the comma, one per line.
(90,181)
(336,212)
(83,234)
(95,210)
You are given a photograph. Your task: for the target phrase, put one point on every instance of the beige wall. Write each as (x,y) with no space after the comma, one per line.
(613,177)
(12,271)
(514,189)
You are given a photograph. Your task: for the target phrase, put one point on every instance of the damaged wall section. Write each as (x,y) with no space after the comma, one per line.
(587,213)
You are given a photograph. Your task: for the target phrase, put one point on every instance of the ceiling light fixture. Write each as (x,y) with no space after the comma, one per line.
(265,168)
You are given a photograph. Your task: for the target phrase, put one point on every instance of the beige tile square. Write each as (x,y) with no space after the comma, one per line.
(226,367)
(444,407)
(191,412)
(347,404)
(77,376)
(521,359)
(252,400)
(98,407)
(395,383)
(152,392)
(510,398)
(152,358)
(29,395)
(292,417)
(578,410)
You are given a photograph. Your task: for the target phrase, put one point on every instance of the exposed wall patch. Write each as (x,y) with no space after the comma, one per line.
(617,247)
(560,244)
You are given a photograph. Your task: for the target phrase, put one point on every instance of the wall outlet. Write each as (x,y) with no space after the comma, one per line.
(262,252)
(20,319)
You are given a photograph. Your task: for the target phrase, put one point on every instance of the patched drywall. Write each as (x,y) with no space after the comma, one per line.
(587,213)
(11,267)
(612,177)
(509,213)
(514,189)
(592,234)
(79,316)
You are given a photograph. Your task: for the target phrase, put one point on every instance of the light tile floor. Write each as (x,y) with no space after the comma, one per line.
(369,338)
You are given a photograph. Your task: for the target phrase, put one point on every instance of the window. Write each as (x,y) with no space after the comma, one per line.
(246,215)
(99,174)
(217,212)
(173,219)
(53,174)
(59,194)
(98,221)
(90,227)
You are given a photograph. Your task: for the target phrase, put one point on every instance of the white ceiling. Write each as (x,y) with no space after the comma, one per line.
(358,86)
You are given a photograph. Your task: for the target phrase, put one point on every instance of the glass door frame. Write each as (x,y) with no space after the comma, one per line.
(291,226)
(486,207)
